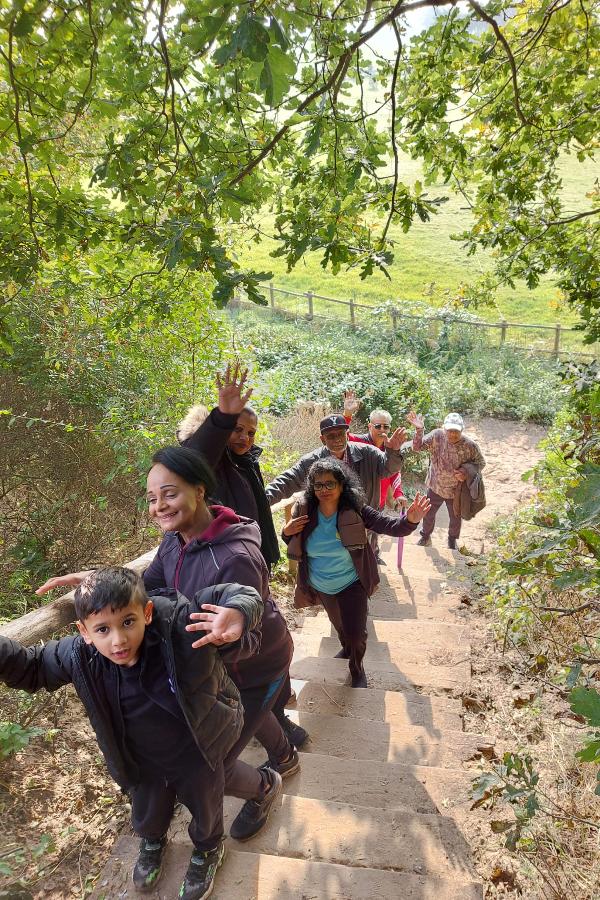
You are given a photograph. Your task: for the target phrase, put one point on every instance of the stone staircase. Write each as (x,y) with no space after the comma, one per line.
(375,812)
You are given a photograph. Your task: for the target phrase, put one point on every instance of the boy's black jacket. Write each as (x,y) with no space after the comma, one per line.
(207,696)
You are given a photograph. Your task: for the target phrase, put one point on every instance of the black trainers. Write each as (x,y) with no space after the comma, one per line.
(147,869)
(200,876)
(286,768)
(424,541)
(254,813)
(452,543)
(296,735)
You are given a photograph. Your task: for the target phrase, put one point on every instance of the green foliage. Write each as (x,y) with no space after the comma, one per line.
(397,371)
(514,780)
(586,702)
(545,577)
(14,737)
(165,133)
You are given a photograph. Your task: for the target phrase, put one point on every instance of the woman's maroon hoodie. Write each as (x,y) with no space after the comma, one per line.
(228,551)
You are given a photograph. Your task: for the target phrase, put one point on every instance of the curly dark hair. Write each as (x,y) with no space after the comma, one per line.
(352,496)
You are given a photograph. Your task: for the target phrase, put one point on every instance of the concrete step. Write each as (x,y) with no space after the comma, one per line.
(415,745)
(393,674)
(381,785)
(393,631)
(386,605)
(352,835)
(259,876)
(399,654)
(392,707)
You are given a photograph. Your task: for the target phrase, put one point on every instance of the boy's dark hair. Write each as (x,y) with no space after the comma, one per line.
(352,496)
(188,464)
(112,586)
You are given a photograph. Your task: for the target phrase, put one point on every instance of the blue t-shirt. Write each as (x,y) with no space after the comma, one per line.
(330,566)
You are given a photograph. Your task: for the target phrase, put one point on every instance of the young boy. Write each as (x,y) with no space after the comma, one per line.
(164,710)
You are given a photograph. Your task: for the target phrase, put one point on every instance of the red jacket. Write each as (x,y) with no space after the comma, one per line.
(392,481)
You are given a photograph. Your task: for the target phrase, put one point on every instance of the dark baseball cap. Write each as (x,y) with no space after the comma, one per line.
(335,421)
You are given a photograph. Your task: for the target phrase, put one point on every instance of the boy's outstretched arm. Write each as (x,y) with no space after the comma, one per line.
(36,668)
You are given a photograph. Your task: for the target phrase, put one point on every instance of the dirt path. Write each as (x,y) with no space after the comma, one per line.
(379,807)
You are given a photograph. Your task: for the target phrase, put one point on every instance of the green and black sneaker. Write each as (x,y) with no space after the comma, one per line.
(149,864)
(200,876)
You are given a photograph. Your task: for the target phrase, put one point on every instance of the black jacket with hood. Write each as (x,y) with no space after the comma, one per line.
(229,550)
(208,699)
(240,485)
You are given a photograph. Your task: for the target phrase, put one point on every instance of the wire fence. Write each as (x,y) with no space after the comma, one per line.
(553,340)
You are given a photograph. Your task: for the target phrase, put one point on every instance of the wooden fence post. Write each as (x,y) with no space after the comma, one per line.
(352,313)
(272,295)
(394,319)
(557,340)
(503,330)
(309,297)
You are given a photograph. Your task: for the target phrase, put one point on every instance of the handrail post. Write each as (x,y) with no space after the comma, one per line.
(292,564)
(309,297)
(352,313)
(557,340)
(272,295)
(503,330)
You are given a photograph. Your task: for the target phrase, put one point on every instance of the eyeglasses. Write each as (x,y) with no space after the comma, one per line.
(379,426)
(324,485)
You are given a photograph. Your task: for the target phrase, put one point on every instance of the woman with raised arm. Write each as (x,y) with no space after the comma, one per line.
(225,437)
(327,535)
(205,545)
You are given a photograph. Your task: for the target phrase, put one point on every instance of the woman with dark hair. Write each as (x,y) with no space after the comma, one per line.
(327,535)
(205,545)
(226,436)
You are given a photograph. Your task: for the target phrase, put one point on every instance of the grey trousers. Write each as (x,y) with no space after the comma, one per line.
(429,520)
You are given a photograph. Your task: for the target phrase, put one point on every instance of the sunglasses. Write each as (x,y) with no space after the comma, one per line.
(379,426)
(324,485)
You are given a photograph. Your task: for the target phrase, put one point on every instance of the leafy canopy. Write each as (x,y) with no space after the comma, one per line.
(166,129)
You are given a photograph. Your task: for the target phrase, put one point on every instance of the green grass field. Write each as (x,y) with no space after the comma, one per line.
(428,262)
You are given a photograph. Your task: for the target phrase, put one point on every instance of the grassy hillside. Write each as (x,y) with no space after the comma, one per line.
(428,262)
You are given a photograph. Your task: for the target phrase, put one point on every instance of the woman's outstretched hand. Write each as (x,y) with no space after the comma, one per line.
(231,384)
(222,624)
(295,525)
(73,579)
(418,508)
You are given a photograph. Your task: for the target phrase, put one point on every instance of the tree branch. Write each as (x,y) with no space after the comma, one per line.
(511,60)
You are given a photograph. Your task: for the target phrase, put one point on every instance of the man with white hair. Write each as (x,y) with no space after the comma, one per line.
(379,427)
(449,452)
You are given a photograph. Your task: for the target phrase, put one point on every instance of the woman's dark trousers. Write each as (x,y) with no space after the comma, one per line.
(347,612)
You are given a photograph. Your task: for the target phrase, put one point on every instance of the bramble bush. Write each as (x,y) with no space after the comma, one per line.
(395,370)
(543,583)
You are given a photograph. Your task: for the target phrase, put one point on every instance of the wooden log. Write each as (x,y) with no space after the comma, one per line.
(40,624)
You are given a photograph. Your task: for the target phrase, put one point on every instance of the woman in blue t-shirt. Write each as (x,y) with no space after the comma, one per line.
(327,535)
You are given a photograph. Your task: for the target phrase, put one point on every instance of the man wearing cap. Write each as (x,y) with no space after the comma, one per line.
(449,450)
(369,463)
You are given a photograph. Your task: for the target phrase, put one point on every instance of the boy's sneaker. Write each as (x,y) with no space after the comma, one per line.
(424,541)
(452,543)
(200,876)
(254,813)
(149,863)
(286,768)
(295,733)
